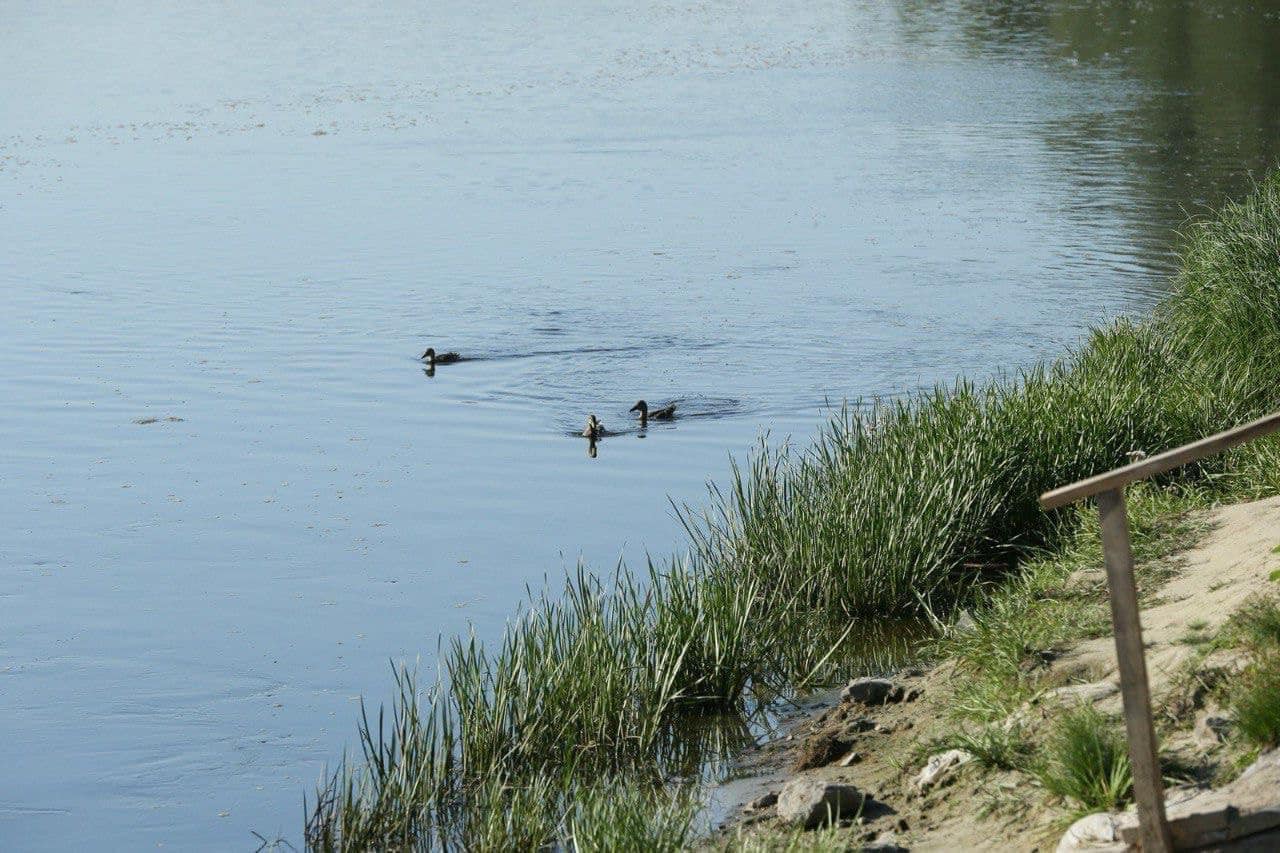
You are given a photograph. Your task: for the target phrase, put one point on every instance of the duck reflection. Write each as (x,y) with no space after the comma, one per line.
(593,432)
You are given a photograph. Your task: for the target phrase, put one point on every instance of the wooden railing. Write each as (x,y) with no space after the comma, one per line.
(1134,690)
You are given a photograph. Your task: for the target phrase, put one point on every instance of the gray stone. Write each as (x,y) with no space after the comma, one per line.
(1246,807)
(812,803)
(1093,832)
(940,767)
(885,842)
(872,691)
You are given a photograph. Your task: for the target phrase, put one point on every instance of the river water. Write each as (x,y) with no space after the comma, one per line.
(230,495)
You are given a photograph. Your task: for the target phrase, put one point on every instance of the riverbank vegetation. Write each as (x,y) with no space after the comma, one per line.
(1255,700)
(601,693)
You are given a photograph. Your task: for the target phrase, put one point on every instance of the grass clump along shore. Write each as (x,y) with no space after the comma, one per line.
(1255,698)
(1089,761)
(899,510)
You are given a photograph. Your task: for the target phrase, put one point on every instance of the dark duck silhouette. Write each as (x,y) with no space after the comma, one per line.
(432,358)
(666,413)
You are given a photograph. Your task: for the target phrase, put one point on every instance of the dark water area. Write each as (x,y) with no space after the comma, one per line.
(247,221)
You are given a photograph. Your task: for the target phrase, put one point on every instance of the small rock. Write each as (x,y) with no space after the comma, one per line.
(763,801)
(871,691)
(849,760)
(812,803)
(940,767)
(1092,832)
(885,842)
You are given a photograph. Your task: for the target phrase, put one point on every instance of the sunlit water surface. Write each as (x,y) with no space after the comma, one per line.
(229,495)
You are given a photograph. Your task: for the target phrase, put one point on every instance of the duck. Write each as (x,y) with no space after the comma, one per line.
(594,429)
(666,413)
(431,358)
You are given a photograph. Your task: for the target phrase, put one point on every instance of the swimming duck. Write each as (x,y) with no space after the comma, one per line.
(594,428)
(431,358)
(666,413)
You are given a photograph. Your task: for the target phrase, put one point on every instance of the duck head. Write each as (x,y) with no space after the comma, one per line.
(430,355)
(642,407)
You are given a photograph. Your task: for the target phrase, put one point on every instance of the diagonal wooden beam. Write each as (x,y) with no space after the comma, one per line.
(1159,463)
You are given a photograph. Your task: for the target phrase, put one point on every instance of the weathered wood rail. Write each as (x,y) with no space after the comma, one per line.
(1135,690)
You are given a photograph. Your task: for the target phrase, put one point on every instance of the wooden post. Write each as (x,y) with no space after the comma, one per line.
(1148,788)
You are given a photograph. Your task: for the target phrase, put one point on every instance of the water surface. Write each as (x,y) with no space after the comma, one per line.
(245,223)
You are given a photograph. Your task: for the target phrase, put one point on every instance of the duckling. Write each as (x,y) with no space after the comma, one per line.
(431,358)
(666,413)
(594,428)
